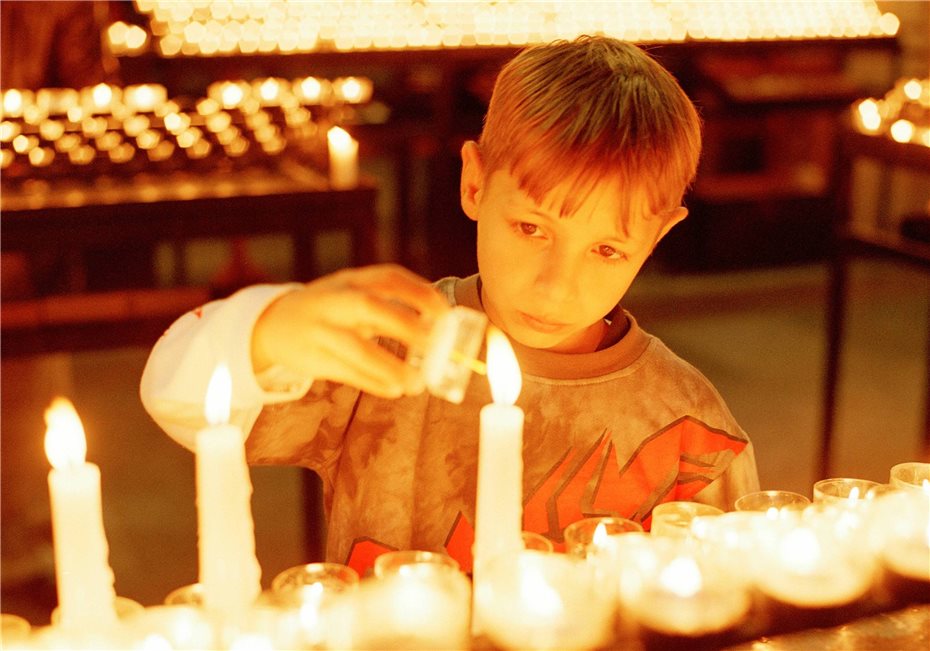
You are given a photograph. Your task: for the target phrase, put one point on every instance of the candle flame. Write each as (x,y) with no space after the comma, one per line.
(338,138)
(853,496)
(599,539)
(682,577)
(65,443)
(503,369)
(925,486)
(219,396)
(102,95)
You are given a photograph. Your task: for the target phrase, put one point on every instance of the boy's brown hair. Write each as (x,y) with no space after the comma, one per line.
(587,111)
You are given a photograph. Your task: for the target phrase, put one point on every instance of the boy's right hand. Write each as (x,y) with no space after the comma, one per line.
(328,329)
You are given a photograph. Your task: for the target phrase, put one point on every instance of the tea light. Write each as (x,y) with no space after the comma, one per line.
(771,499)
(229,571)
(343,159)
(911,475)
(415,610)
(143,98)
(413,562)
(674,518)
(588,535)
(810,579)
(683,605)
(86,598)
(169,627)
(843,491)
(546,601)
(901,535)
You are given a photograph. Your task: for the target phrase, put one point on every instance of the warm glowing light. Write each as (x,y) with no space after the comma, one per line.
(12,102)
(231,95)
(503,369)
(800,551)
(902,130)
(599,539)
(682,577)
(853,496)
(102,95)
(9,130)
(912,89)
(219,396)
(537,595)
(65,443)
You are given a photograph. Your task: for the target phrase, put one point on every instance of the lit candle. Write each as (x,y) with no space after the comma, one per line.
(229,571)
(343,159)
(499,503)
(86,598)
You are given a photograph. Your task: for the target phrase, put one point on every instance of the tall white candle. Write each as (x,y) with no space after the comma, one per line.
(86,598)
(499,503)
(229,570)
(343,159)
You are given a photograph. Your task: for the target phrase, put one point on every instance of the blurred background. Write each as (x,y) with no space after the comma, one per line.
(154,155)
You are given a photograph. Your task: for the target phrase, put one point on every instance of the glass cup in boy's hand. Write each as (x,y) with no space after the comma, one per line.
(328,328)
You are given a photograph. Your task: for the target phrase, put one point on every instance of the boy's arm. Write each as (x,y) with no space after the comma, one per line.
(174,382)
(277,338)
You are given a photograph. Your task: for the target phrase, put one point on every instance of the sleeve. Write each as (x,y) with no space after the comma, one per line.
(174,382)
(739,477)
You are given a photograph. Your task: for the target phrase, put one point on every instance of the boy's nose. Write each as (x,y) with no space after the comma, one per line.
(557,278)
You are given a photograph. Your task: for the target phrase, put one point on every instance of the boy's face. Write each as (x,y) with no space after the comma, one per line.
(549,281)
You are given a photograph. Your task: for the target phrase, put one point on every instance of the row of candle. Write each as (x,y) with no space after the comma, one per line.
(730,577)
(239,131)
(122,102)
(903,114)
(225,27)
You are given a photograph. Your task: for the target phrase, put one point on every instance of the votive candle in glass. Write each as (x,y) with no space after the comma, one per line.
(673,519)
(911,475)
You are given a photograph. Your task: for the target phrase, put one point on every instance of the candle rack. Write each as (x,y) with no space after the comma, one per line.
(116,131)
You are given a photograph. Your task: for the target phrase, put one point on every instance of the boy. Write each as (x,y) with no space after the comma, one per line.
(587,150)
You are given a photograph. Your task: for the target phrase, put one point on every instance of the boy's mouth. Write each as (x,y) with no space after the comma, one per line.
(540,325)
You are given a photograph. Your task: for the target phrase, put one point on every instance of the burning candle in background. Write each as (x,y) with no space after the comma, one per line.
(674,518)
(912,475)
(499,501)
(86,598)
(899,532)
(229,571)
(343,159)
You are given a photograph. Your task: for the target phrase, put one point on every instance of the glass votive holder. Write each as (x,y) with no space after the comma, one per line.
(813,575)
(312,582)
(416,610)
(843,490)
(545,601)
(900,534)
(680,600)
(412,562)
(584,536)
(187,595)
(14,630)
(536,542)
(170,627)
(673,519)
(911,475)
(772,499)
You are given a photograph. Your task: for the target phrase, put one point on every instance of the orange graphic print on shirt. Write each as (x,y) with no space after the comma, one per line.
(675,463)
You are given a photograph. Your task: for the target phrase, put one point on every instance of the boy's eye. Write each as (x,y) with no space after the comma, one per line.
(610,252)
(529,229)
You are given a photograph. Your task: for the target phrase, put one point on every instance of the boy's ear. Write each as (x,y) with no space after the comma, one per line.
(472,183)
(673,217)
